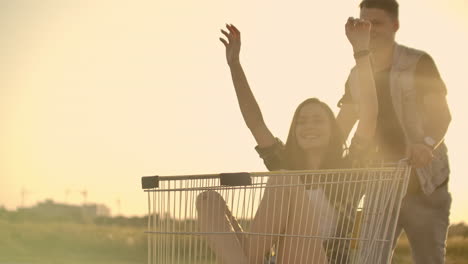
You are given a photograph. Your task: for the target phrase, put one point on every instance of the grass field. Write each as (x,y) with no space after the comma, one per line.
(56,243)
(457,251)
(71,243)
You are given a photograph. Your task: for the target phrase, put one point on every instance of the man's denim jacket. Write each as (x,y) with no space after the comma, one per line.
(409,114)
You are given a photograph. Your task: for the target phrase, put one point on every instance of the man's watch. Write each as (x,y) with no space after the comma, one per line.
(430,142)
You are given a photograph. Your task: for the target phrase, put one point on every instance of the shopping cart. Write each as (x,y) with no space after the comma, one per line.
(355,210)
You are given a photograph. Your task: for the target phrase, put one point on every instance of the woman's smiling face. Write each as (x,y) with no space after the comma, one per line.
(313,127)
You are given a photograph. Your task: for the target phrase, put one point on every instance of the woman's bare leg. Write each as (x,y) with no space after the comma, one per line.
(286,209)
(303,221)
(214,216)
(283,210)
(270,218)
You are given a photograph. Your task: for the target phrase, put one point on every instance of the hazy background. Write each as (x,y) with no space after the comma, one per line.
(96,94)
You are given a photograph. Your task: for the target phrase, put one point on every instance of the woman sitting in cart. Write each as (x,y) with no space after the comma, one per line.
(314,142)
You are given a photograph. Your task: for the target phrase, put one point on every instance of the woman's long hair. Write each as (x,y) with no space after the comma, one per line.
(295,156)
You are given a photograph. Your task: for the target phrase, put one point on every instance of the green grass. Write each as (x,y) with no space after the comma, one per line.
(457,251)
(72,243)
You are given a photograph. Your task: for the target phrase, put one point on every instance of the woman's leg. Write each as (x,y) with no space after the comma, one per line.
(286,209)
(306,245)
(270,219)
(214,216)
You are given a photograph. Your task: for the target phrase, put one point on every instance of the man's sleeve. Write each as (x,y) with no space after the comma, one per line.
(428,79)
(432,92)
(346,98)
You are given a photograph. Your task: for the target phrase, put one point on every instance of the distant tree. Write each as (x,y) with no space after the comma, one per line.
(460,230)
(3,212)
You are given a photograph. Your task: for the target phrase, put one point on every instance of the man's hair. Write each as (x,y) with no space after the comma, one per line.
(390,6)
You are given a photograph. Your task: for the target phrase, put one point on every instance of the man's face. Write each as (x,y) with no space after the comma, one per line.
(384,27)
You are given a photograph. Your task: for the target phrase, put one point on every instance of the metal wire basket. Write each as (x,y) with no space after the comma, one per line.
(321,216)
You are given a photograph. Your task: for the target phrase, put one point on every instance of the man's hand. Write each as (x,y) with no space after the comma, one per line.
(358,33)
(232,45)
(419,155)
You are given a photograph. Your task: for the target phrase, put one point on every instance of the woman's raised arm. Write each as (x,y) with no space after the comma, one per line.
(248,105)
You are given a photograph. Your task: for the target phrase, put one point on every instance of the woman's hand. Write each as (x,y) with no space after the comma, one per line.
(248,105)
(358,33)
(232,44)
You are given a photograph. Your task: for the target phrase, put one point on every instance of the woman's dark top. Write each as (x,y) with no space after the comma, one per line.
(274,156)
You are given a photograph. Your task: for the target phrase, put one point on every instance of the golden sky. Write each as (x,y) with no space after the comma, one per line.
(96,94)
